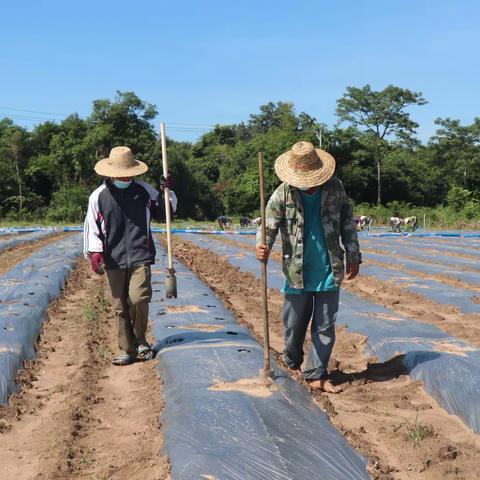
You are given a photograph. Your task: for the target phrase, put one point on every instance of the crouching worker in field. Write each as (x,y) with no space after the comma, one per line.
(117,238)
(313,213)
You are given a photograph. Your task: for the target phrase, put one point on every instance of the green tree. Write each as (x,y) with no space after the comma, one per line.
(50,169)
(125,121)
(458,197)
(381,114)
(281,115)
(196,198)
(14,153)
(69,203)
(457,151)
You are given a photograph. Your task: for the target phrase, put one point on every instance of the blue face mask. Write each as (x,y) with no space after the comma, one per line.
(121,184)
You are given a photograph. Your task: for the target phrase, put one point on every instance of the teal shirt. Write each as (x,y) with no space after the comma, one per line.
(317,271)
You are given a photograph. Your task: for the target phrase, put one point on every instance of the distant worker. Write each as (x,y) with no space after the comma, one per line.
(314,216)
(410,223)
(244,222)
(117,238)
(224,222)
(363,221)
(395,224)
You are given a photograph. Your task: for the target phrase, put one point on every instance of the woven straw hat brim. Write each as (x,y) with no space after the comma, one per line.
(305,179)
(107,169)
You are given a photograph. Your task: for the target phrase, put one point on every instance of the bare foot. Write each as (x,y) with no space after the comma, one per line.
(325,385)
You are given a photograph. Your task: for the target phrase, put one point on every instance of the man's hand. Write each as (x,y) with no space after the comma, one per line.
(166,182)
(263,252)
(97,262)
(352,270)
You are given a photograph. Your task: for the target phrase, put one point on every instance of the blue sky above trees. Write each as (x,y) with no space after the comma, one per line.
(214,61)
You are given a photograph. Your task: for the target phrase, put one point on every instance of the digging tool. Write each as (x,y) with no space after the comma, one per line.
(171,280)
(267,372)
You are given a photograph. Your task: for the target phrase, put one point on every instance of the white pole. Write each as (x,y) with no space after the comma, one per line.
(167,197)
(424,220)
(319,136)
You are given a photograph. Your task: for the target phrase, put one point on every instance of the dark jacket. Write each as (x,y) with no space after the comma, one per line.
(118,223)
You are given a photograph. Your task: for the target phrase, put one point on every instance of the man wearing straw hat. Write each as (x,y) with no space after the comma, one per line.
(117,238)
(314,216)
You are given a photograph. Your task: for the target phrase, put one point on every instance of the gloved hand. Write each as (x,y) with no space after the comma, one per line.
(97,262)
(166,182)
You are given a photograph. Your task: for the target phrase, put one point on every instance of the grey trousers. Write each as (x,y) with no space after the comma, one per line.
(298,309)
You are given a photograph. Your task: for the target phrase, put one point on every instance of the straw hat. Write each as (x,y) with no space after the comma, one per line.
(120,163)
(305,166)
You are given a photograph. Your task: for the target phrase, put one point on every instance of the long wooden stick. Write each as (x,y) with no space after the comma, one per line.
(267,371)
(167,197)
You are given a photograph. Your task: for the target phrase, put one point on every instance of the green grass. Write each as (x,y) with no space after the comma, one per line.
(95,307)
(4,223)
(90,312)
(438,218)
(417,431)
(60,388)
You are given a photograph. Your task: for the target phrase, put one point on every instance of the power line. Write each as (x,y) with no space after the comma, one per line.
(199,126)
(174,127)
(32,111)
(29,117)
(188,130)
(191,124)
(26,118)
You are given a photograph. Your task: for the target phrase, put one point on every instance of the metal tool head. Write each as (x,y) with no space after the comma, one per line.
(267,375)
(171,286)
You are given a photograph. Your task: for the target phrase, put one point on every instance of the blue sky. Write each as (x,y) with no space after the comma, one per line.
(207,62)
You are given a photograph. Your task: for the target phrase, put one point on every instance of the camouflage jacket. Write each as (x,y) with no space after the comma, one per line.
(284,211)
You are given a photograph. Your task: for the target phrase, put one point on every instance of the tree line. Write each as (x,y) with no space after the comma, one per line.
(47,171)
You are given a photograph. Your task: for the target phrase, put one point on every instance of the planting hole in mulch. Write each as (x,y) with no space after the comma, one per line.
(256,387)
(203,327)
(185,309)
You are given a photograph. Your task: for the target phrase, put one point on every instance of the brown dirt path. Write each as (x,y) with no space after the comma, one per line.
(77,415)
(436,251)
(397,298)
(4,238)
(14,255)
(417,307)
(383,414)
(446,279)
(437,277)
(397,256)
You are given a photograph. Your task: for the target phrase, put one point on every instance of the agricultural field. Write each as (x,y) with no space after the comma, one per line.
(407,355)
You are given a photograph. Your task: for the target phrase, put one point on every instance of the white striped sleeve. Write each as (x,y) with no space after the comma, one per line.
(92,241)
(173,200)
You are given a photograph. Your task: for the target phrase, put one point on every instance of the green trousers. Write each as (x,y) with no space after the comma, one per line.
(131,291)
